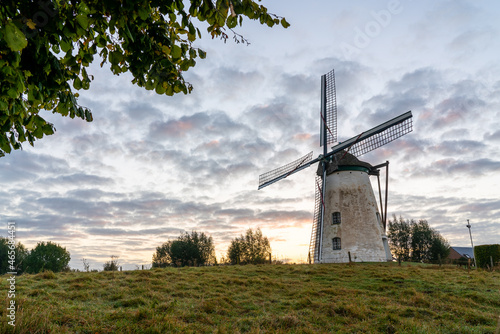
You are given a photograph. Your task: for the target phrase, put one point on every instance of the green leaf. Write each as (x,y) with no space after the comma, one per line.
(65,45)
(14,37)
(149,85)
(88,116)
(83,8)
(101,41)
(20,132)
(129,34)
(269,21)
(176,52)
(284,23)
(232,21)
(48,129)
(38,133)
(39,121)
(144,12)
(12,93)
(83,21)
(160,89)
(202,53)
(4,105)
(4,143)
(77,83)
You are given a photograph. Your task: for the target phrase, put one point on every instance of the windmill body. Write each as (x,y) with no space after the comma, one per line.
(352,225)
(348,225)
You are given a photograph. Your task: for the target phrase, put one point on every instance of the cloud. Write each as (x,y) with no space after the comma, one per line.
(492,136)
(457,147)
(22,166)
(115,232)
(77,179)
(450,166)
(179,128)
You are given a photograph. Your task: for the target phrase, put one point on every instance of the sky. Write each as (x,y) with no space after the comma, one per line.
(151,167)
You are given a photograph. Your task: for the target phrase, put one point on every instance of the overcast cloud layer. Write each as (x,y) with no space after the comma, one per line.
(150,167)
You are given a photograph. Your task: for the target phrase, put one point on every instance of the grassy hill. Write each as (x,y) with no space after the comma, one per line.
(360,298)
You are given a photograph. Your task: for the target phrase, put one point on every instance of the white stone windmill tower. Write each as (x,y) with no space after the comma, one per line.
(348,225)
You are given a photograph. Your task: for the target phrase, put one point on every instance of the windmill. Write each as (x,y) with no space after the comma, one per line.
(347,224)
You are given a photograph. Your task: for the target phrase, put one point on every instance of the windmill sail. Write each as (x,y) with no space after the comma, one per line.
(284,171)
(376,137)
(328,120)
(314,245)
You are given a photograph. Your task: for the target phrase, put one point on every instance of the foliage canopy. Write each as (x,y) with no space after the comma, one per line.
(416,241)
(251,248)
(195,249)
(12,256)
(46,47)
(47,256)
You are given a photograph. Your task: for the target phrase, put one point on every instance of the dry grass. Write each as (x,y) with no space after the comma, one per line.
(362,298)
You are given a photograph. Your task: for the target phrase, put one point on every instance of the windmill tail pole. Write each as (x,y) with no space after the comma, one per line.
(383,206)
(380,198)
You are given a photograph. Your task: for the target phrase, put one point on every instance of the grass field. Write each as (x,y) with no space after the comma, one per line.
(360,298)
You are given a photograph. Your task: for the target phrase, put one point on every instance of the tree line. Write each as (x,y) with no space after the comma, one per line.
(197,249)
(189,249)
(44,256)
(416,241)
(410,240)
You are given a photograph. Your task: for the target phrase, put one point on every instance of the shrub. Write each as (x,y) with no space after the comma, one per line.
(482,254)
(111,265)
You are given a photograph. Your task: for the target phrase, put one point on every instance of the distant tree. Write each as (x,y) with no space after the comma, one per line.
(161,258)
(47,256)
(111,265)
(440,248)
(421,241)
(195,249)
(416,241)
(12,260)
(251,248)
(399,234)
(86,265)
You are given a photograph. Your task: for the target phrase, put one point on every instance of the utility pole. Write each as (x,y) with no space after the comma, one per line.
(472,244)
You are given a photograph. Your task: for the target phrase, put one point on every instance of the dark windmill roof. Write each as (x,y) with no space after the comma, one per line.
(342,158)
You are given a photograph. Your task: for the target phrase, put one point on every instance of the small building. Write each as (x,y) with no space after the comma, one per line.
(461,252)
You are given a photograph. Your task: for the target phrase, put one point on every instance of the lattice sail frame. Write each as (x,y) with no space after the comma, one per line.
(284,171)
(315,233)
(328,121)
(382,138)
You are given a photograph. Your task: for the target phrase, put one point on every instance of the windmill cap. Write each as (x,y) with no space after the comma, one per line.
(343,159)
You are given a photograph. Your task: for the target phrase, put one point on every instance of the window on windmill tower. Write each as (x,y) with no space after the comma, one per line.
(336,243)
(335,218)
